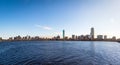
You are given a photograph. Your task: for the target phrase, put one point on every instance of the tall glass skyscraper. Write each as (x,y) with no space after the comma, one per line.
(63,34)
(92,33)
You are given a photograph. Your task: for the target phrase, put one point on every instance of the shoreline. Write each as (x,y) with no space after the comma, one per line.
(61,40)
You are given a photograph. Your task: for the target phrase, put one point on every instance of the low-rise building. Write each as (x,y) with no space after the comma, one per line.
(114,38)
(73,37)
(105,37)
(0,39)
(99,37)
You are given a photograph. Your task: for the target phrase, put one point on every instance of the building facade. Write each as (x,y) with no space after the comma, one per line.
(99,37)
(63,34)
(92,33)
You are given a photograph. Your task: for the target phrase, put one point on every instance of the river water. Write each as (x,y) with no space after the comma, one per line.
(59,53)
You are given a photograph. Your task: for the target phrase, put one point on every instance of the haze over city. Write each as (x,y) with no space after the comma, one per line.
(47,18)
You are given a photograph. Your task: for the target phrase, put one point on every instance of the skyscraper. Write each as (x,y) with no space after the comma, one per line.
(63,34)
(92,33)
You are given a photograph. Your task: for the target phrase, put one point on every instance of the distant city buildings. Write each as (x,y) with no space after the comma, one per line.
(57,38)
(0,39)
(100,37)
(87,37)
(73,37)
(92,33)
(63,34)
(114,38)
(105,37)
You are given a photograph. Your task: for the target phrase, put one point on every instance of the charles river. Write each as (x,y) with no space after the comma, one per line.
(59,53)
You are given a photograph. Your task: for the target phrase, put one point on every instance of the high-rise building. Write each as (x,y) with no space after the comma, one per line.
(63,34)
(92,33)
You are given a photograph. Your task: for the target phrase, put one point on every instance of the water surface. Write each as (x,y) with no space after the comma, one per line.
(59,53)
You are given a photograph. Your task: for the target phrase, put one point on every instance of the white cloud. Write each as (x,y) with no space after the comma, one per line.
(43,27)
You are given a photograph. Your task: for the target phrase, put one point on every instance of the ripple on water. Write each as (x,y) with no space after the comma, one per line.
(53,53)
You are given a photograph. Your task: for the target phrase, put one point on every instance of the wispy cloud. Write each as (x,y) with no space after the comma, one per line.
(43,27)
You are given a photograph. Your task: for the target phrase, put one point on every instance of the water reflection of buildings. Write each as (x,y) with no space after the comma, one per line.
(87,37)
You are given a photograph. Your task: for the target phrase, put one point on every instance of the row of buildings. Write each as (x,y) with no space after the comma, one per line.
(90,37)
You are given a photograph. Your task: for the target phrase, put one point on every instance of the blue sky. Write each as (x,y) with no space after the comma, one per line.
(48,18)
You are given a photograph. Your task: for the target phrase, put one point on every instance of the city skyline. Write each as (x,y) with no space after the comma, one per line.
(87,37)
(83,37)
(48,18)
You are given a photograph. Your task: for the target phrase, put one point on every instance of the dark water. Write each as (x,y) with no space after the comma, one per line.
(59,53)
